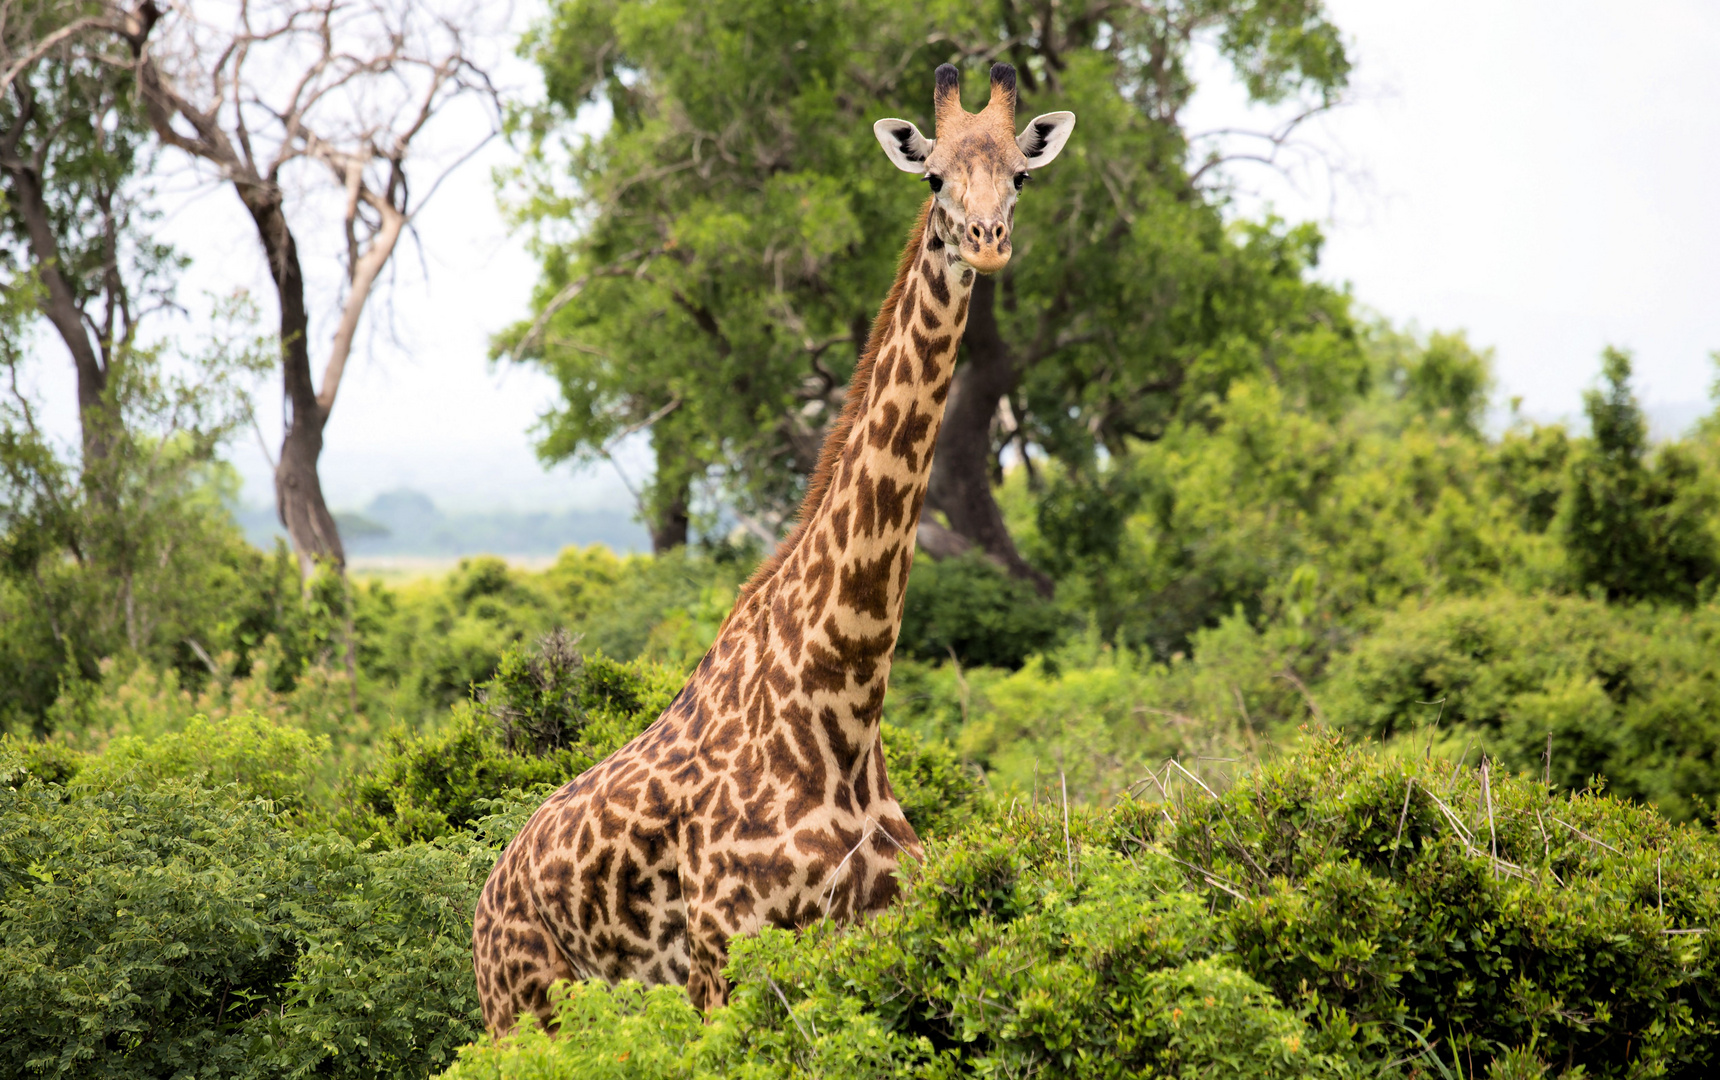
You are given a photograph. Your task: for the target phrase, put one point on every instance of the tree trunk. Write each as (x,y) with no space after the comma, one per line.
(669,524)
(961,468)
(298,488)
(666,503)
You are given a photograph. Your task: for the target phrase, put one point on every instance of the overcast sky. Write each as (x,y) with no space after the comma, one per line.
(1542,175)
(1539,174)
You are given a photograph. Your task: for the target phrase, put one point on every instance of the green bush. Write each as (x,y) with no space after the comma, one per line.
(140,929)
(966,607)
(1334,913)
(1404,903)
(566,711)
(939,793)
(1096,718)
(259,758)
(153,927)
(49,762)
(382,983)
(1631,694)
(1016,952)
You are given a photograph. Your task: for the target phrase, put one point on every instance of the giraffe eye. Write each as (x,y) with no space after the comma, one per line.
(1020,179)
(936,183)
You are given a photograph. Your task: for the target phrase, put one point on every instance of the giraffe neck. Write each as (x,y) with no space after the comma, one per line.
(823,618)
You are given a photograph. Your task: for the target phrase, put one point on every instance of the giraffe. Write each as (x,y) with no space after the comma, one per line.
(759,797)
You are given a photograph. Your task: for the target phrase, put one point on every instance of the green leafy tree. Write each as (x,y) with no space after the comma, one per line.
(736,227)
(1287,514)
(1632,527)
(74,148)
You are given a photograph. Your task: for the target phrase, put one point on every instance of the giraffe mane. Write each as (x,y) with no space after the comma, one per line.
(819,485)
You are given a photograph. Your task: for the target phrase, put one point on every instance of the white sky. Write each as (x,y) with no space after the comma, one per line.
(1539,174)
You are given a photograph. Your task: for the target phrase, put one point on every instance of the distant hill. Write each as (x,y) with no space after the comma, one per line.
(407,522)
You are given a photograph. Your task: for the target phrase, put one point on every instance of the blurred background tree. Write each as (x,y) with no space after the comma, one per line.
(1636,526)
(75,194)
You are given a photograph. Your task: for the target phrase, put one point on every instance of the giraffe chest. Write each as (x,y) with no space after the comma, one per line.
(710,825)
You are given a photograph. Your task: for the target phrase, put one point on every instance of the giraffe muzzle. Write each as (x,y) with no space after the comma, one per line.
(985,246)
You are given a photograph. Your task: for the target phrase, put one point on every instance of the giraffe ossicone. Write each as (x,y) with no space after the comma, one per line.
(759,797)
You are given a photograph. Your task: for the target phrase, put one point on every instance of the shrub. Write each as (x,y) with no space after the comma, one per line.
(171,930)
(533,700)
(1096,718)
(425,786)
(1629,693)
(666,607)
(49,762)
(1412,902)
(1013,954)
(968,608)
(253,757)
(939,793)
(142,703)
(139,929)
(382,984)
(568,713)
(545,716)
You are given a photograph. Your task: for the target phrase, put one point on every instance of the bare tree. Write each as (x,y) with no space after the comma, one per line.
(338,89)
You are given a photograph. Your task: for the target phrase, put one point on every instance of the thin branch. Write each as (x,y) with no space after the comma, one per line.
(1587,837)
(48,44)
(569,292)
(787,1007)
(1403,816)
(633,429)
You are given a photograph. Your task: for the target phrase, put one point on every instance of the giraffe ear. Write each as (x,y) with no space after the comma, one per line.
(1045,136)
(904,145)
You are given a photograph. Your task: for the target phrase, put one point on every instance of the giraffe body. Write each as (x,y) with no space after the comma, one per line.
(760,797)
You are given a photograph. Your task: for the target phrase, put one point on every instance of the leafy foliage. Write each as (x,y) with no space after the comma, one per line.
(424,786)
(160,912)
(1299,518)
(153,927)
(969,609)
(426,645)
(1477,910)
(939,792)
(739,226)
(1628,694)
(432,785)
(140,926)
(260,759)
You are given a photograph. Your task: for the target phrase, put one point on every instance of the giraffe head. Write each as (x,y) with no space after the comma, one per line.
(977,165)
